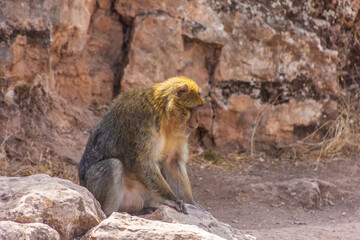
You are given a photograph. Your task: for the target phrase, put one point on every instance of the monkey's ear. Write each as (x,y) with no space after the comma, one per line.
(180,91)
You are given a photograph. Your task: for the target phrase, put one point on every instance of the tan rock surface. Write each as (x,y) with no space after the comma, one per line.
(68,208)
(306,192)
(149,64)
(124,226)
(49,76)
(199,21)
(246,119)
(27,231)
(238,115)
(264,54)
(200,218)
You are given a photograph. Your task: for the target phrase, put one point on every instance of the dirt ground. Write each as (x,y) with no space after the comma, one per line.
(282,200)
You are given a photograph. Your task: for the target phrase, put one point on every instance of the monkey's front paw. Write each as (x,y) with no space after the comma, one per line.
(179,205)
(144,211)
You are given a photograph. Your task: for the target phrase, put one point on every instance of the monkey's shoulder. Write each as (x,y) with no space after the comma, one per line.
(136,100)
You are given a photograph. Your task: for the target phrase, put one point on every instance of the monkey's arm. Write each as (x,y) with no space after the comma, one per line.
(176,176)
(149,174)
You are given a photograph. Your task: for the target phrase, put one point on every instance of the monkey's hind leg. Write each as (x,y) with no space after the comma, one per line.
(106,180)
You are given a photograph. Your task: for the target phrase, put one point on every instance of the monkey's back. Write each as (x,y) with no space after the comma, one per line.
(123,130)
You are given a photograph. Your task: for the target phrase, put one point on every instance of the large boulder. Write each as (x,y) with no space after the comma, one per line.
(198,20)
(200,218)
(22,231)
(124,226)
(158,63)
(66,207)
(306,192)
(39,38)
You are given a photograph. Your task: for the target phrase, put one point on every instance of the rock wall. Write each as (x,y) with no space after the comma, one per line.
(269,71)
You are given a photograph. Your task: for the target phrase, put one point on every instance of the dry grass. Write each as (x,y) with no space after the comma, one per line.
(50,164)
(341,140)
(42,160)
(47,163)
(58,168)
(55,167)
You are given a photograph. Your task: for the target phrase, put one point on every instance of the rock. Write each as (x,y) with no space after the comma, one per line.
(49,72)
(264,54)
(238,115)
(205,122)
(68,208)
(77,75)
(106,43)
(291,115)
(309,193)
(199,21)
(149,65)
(173,56)
(196,63)
(258,53)
(22,231)
(197,217)
(124,226)
(247,120)
(104,4)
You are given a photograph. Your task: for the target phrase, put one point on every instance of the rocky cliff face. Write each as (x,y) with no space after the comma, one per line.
(269,70)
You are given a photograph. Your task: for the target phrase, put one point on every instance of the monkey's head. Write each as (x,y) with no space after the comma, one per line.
(184,98)
(187,92)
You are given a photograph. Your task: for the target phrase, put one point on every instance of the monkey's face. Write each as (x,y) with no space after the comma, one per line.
(185,98)
(189,99)
(184,120)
